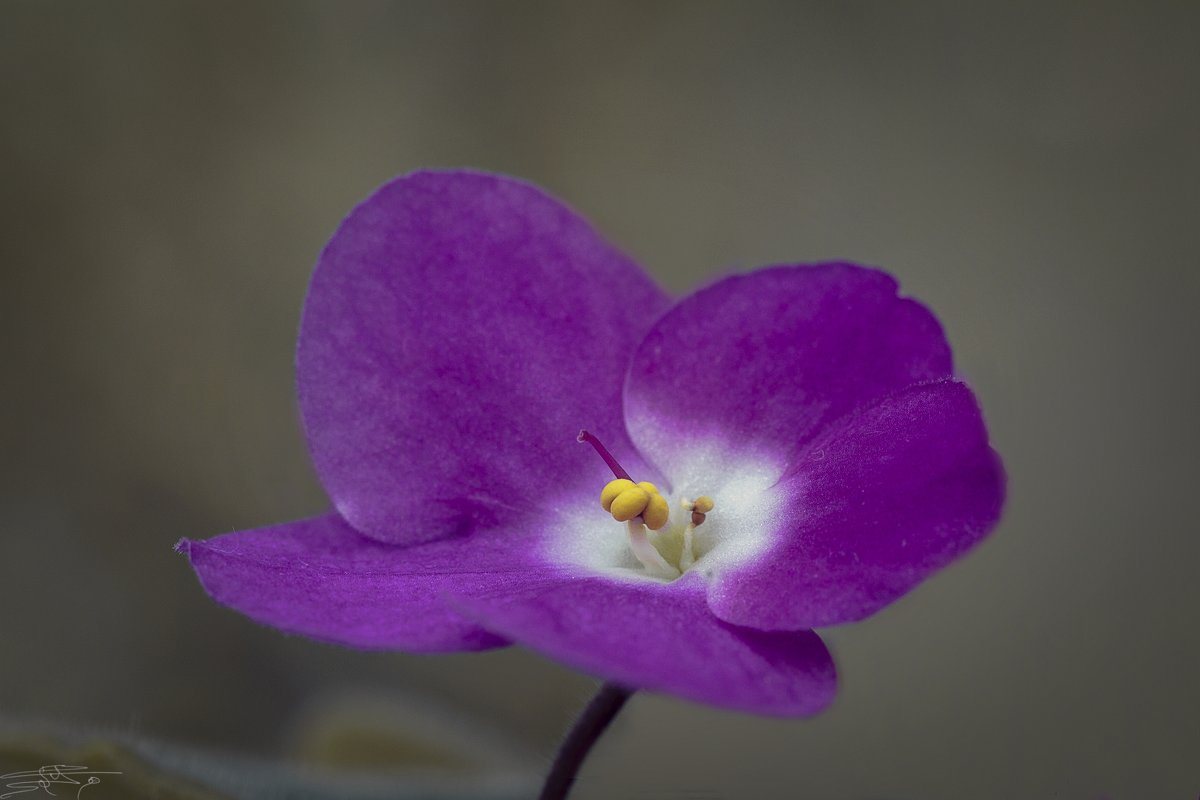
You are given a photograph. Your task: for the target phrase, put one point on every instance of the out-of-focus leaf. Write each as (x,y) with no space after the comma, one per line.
(23,755)
(342,760)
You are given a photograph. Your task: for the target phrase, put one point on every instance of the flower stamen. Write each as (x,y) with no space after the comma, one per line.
(647,553)
(626,500)
(698,508)
(639,506)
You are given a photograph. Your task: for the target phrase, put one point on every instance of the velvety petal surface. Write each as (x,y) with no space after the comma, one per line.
(752,367)
(662,637)
(879,501)
(322,579)
(459,330)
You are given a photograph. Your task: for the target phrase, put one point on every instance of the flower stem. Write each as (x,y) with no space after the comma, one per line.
(586,732)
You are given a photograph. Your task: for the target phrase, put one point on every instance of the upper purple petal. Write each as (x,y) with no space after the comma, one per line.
(459,330)
(755,365)
(879,501)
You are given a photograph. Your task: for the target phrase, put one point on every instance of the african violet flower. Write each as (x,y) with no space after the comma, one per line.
(808,455)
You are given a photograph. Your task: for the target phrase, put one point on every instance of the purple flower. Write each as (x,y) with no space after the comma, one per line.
(461,328)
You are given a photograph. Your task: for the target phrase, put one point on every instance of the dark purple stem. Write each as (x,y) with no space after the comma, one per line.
(616,468)
(587,730)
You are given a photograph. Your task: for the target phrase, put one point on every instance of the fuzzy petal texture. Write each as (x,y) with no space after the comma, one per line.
(662,638)
(881,499)
(459,330)
(752,367)
(322,579)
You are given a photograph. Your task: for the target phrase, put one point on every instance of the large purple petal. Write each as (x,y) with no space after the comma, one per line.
(663,638)
(753,366)
(322,579)
(459,330)
(880,500)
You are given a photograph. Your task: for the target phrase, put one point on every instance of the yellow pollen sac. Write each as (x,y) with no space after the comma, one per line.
(629,504)
(657,512)
(626,500)
(611,490)
(699,507)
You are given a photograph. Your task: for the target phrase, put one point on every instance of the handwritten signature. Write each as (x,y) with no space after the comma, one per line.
(44,778)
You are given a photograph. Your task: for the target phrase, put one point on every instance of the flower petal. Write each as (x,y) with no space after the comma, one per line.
(459,330)
(753,366)
(881,500)
(662,638)
(321,578)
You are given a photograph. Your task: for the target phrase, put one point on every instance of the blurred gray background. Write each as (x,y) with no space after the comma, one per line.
(169,172)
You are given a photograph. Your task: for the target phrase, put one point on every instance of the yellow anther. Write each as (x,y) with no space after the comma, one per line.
(629,504)
(703,504)
(612,489)
(657,511)
(625,500)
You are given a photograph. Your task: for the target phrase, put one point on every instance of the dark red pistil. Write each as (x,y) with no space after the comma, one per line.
(616,468)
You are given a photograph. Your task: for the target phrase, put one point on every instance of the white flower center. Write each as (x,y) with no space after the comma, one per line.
(734,531)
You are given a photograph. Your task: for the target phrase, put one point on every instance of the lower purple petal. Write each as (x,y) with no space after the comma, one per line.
(322,579)
(881,500)
(662,637)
